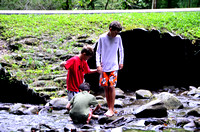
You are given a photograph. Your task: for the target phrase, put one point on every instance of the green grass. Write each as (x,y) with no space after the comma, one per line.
(185,24)
(61,27)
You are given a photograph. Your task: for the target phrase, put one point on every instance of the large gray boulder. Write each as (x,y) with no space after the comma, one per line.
(152,109)
(170,101)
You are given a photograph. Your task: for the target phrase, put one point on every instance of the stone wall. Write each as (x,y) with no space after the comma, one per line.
(14,91)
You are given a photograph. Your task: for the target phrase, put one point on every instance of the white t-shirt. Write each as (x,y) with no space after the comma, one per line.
(107,52)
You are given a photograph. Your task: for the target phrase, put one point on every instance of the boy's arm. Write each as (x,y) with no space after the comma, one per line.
(96,108)
(68,107)
(98,57)
(92,71)
(121,55)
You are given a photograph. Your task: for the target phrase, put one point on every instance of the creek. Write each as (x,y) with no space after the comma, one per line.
(59,121)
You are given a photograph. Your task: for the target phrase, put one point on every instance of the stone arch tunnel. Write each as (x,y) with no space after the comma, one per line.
(152,60)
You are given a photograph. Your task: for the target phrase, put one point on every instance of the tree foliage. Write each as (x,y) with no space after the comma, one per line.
(94,4)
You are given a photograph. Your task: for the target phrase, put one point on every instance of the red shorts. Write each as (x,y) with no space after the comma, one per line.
(108,79)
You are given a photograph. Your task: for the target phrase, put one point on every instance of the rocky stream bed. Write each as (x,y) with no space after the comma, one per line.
(169,108)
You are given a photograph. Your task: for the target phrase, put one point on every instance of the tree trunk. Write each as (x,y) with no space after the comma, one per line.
(154,4)
(106,4)
(67,5)
(189,3)
(169,4)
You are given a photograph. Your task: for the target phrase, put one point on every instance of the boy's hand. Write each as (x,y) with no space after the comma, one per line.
(99,69)
(121,66)
(62,64)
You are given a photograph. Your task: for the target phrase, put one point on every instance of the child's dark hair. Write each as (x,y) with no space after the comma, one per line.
(84,87)
(88,50)
(115,25)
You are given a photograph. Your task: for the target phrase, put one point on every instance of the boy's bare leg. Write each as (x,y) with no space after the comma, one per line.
(110,96)
(95,116)
(107,96)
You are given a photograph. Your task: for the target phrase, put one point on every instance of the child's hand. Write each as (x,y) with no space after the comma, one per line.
(121,66)
(62,64)
(99,69)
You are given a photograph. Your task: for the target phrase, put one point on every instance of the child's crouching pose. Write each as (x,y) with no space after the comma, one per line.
(79,106)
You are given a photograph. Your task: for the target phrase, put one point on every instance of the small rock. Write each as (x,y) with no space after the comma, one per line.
(143,94)
(17,109)
(58,103)
(45,111)
(31,111)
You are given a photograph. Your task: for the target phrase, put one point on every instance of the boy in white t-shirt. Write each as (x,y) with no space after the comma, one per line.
(107,62)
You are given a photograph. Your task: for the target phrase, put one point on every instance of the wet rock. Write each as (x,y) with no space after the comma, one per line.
(193,92)
(45,110)
(189,126)
(152,109)
(44,127)
(31,111)
(143,94)
(197,123)
(17,109)
(86,126)
(4,107)
(62,93)
(158,128)
(197,95)
(154,122)
(118,103)
(193,104)
(99,97)
(70,127)
(105,119)
(58,103)
(194,112)
(119,93)
(49,89)
(170,101)
(116,123)
(182,121)
(21,109)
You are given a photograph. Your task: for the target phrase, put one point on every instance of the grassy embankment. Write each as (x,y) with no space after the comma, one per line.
(60,28)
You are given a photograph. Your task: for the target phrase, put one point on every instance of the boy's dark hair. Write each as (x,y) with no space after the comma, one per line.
(115,25)
(88,50)
(84,87)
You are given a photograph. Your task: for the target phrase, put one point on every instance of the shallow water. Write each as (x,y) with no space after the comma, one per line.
(10,122)
(58,120)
